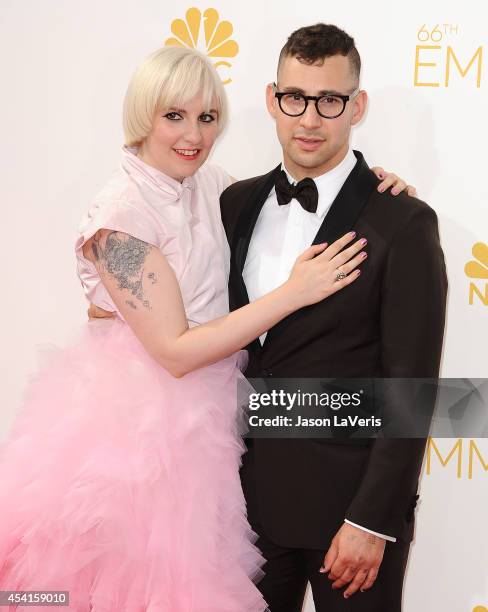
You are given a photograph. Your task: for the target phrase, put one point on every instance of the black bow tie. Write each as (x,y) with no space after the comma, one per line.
(305,192)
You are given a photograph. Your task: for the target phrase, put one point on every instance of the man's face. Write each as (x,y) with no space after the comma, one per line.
(312,144)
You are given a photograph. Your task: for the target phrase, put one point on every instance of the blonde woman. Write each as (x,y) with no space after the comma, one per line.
(120,479)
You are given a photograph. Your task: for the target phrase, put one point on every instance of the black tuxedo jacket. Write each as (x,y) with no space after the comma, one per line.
(388,323)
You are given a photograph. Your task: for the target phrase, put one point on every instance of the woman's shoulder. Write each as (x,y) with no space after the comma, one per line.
(211,175)
(117,206)
(118,189)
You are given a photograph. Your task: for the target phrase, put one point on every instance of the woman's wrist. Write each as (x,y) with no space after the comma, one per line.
(289,297)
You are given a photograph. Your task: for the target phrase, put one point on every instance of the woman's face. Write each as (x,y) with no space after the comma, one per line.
(181,138)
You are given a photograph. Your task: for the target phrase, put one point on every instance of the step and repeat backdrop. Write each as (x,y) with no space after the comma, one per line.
(65,68)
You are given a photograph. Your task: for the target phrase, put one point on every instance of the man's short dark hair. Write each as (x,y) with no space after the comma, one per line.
(317,42)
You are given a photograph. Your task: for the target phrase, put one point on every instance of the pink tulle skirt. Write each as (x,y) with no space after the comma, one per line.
(120,484)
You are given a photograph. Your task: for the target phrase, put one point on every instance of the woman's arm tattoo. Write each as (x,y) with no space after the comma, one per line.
(123,257)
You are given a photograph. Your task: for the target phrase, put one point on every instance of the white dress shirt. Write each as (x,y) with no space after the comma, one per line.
(282,233)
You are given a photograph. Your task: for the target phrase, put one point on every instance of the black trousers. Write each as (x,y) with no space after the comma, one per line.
(289,570)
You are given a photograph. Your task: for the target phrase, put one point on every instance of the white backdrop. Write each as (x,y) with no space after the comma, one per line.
(65,67)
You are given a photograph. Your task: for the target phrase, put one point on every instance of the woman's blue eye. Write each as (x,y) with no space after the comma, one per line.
(173,116)
(207,118)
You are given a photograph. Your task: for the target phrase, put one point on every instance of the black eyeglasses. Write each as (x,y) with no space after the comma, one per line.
(329,106)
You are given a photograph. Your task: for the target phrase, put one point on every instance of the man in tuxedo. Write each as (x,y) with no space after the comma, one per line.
(338,513)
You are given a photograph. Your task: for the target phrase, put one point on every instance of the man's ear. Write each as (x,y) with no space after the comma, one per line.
(271,100)
(360,103)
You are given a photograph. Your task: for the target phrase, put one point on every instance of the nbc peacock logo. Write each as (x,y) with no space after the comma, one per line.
(478,269)
(205,32)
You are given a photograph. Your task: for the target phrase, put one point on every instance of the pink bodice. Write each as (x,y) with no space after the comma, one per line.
(181,219)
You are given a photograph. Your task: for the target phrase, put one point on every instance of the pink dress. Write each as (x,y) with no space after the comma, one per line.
(118,482)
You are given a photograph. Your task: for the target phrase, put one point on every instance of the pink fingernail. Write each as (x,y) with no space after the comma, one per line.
(353,234)
(346,595)
(364,241)
(364,254)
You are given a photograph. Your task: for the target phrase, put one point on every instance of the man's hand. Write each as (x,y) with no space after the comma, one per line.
(94,312)
(354,557)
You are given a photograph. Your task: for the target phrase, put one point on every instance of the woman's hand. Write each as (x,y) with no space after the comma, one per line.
(392,180)
(95,312)
(314,276)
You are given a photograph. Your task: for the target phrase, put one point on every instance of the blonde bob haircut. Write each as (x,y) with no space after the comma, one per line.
(170,77)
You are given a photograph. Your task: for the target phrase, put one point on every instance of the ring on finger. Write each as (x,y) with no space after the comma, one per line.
(340,275)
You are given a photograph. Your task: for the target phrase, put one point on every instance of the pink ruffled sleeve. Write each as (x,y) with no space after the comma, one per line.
(119,216)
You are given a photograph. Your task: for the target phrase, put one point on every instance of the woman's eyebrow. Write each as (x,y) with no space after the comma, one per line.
(184,112)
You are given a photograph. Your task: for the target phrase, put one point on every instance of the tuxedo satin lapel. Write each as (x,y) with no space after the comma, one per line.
(349,203)
(245,227)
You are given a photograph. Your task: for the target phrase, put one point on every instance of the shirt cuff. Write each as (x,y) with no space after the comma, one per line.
(380,535)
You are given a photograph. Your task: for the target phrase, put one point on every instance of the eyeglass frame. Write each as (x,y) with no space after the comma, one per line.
(345,99)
